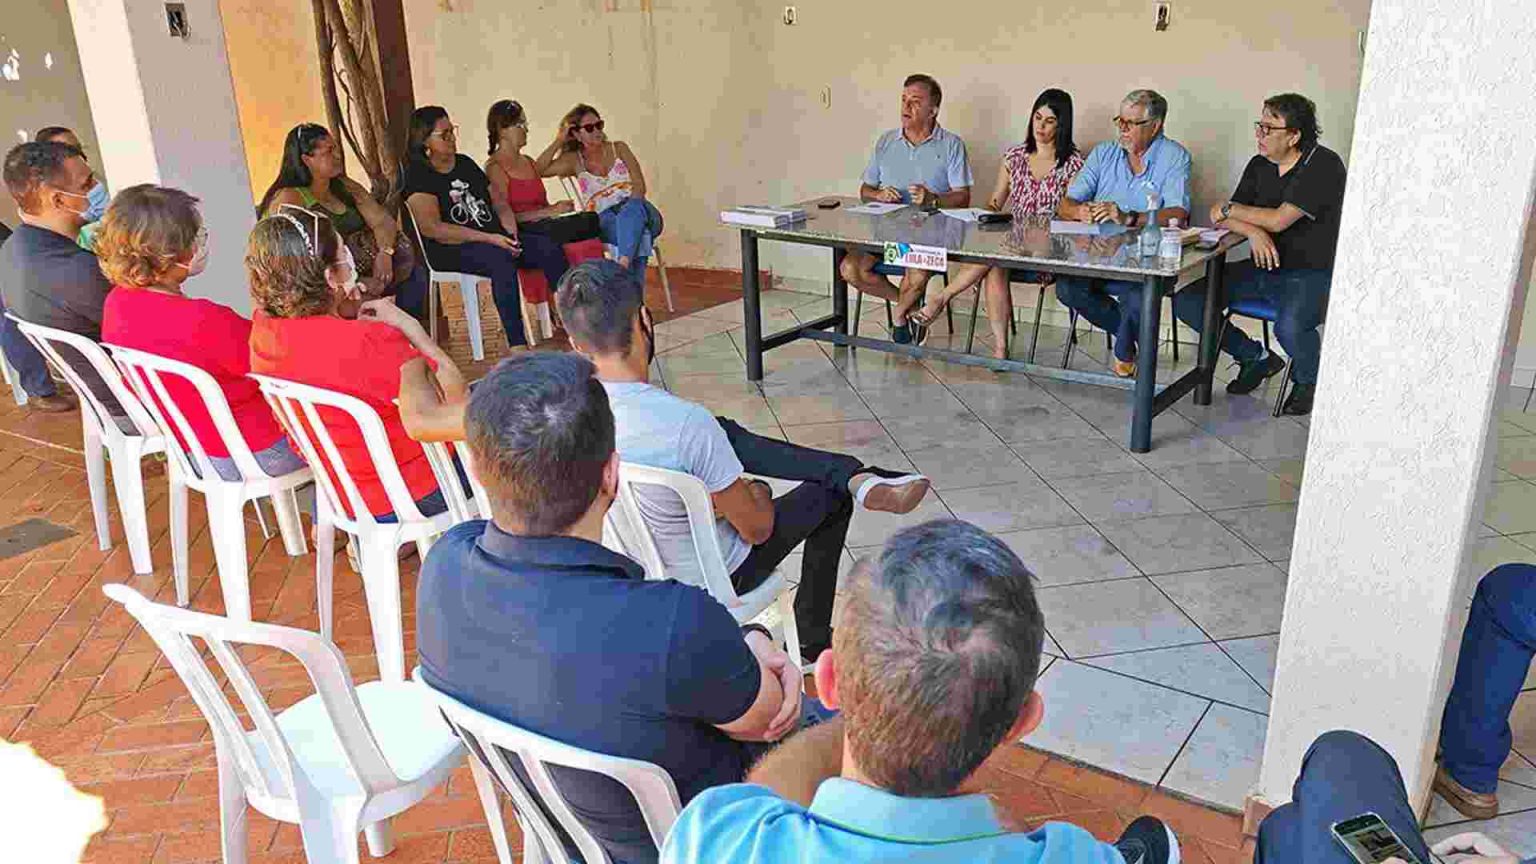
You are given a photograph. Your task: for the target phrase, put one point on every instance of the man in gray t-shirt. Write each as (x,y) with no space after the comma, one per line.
(603,309)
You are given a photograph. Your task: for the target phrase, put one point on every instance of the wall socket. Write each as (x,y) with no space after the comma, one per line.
(790,16)
(1162,14)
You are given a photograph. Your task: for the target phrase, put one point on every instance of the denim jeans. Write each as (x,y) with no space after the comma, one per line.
(497,264)
(816,512)
(1300,296)
(1343,775)
(1111,306)
(1496,651)
(624,225)
(24,357)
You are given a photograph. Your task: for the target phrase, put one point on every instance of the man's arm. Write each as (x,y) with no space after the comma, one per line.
(748,506)
(425,413)
(1265,255)
(1271,219)
(1075,211)
(960,197)
(776,709)
(795,768)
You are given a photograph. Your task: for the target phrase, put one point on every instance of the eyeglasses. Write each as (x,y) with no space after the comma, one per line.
(448,134)
(589,128)
(1262,128)
(1124,124)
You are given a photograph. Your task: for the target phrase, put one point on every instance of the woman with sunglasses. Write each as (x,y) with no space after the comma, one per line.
(150,242)
(609,182)
(465,231)
(312,176)
(304,283)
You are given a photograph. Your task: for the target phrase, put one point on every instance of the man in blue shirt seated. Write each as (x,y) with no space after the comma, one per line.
(1143,174)
(920,163)
(933,669)
(528,618)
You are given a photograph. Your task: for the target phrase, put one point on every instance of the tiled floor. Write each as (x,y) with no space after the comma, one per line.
(89,691)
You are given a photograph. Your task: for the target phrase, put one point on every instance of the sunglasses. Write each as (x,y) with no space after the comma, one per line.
(589,128)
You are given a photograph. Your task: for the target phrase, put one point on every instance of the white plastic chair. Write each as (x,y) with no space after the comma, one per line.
(104,441)
(338,504)
(225,499)
(574,191)
(469,290)
(342,760)
(490,739)
(639,543)
(13,380)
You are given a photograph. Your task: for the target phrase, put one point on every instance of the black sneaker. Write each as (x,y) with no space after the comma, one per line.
(1299,403)
(1148,841)
(1255,372)
(901,334)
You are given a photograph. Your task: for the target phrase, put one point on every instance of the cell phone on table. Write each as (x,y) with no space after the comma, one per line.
(1370,840)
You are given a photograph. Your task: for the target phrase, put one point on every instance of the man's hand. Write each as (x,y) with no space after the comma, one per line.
(788,672)
(1265,255)
(1104,211)
(1216,216)
(889,195)
(1481,849)
(920,194)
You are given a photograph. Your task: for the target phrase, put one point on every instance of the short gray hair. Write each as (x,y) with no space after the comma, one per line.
(1153,101)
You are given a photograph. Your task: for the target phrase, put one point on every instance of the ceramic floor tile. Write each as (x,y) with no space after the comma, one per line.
(1490,552)
(1170,544)
(865,440)
(1200,670)
(1516,413)
(870,528)
(1518,769)
(1068,555)
(983,461)
(1528,540)
(1522,722)
(1220,764)
(926,400)
(1256,656)
(1279,438)
(1268,528)
(1289,470)
(819,408)
(1515,833)
(1229,484)
(916,431)
(1052,647)
(1081,457)
(1011,507)
(1027,424)
(1107,497)
(1517,456)
(1511,508)
(1088,712)
(1188,446)
(1112,617)
(1230,602)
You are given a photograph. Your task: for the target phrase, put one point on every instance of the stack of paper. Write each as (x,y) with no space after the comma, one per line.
(761,216)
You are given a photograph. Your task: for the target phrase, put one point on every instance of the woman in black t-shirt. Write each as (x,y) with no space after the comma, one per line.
(449,199)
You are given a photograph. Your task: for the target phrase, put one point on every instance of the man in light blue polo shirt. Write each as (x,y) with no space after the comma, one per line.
(922,164)
(1114,186)
(933,668)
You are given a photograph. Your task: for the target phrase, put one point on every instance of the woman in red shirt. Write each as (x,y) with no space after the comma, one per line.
(150,242)
(300,274)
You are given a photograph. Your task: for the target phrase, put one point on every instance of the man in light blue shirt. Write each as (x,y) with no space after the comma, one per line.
(933,668)
(1116,184)
(922,164)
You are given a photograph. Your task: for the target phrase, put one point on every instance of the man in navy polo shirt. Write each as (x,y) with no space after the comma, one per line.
(527,617)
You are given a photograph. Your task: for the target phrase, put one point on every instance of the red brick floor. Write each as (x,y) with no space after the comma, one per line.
(89,691)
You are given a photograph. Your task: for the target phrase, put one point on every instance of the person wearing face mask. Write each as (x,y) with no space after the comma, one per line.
(304,281)
(151,241)
(47,279)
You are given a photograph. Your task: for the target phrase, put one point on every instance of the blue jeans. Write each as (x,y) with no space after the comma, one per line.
(1343,775)
(1300,297)
(411,292)
(24,357)
(624,225)
(497,264)
(1114,307)
(1496,651)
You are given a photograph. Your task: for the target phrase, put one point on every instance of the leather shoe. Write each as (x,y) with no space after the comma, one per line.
(1473,805)
(58,403)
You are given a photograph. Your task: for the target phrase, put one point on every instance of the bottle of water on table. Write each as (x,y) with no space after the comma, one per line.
(1171,250)
(1151,237)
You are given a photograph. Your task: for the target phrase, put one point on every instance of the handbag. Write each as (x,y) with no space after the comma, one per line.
(365,247)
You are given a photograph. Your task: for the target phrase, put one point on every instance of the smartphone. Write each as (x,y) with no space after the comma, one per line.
(1370,840)
(829,204)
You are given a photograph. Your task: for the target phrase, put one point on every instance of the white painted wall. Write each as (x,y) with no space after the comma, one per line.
(165,111)
(1421,327)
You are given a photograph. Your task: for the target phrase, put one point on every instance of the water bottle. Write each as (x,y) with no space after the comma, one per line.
(1151,237)
(1171,250)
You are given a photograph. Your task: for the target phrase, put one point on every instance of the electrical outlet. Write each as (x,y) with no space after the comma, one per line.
(790,16)
(1162,13)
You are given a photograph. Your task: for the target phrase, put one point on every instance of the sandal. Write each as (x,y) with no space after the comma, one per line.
(920,321)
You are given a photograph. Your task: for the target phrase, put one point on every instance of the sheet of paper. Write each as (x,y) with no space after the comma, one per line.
(964,214)
(1063,226)
(875,208)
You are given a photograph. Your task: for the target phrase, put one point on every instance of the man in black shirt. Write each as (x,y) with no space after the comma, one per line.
(1287,204)
(30,367)
(46,277)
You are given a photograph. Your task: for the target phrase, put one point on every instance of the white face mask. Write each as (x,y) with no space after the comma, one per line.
(199,260)
(349,287)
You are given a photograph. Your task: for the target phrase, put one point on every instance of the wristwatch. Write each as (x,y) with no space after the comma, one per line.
(1226,209)
(756,628)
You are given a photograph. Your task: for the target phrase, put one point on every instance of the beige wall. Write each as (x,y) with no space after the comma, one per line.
(43,96)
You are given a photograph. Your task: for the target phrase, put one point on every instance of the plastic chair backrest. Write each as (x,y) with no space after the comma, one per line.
(490,739)
(440,456)
(277,782)
(48,340)
(146,373)
(640,543)
(298,406)
(421,243)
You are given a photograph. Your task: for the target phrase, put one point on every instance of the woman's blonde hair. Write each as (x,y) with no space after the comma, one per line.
(147,231)
(287,257)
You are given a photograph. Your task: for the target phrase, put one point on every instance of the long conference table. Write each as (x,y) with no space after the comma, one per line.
(1108,253)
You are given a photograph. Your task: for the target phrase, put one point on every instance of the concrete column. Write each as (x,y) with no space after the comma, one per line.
(164,110)
(1426,289)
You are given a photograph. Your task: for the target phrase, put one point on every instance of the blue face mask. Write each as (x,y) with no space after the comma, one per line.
(97,200)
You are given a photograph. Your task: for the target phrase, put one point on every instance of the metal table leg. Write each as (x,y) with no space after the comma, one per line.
(1146,364)
(752,318)
(839,290)
(1210,326)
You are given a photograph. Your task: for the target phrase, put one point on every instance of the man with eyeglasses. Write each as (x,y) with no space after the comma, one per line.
(1287,204)
(1116,186)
